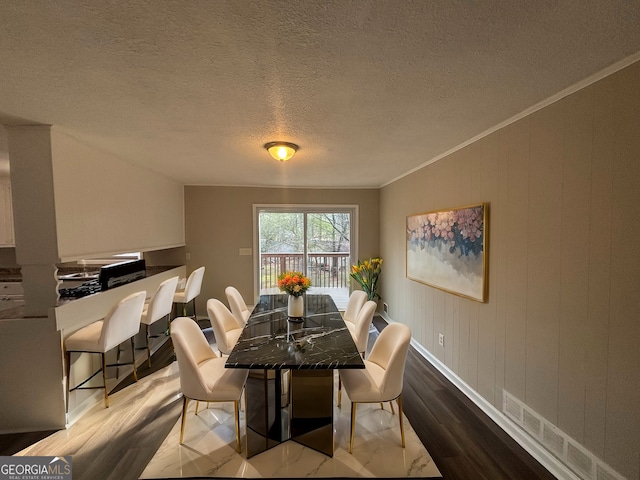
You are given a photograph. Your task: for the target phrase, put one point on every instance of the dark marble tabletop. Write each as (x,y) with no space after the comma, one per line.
(271,341)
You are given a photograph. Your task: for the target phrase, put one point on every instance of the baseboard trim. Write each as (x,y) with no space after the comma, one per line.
(537,451)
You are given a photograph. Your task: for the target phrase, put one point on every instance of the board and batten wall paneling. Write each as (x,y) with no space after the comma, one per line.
(105,205)
(545,227)
(623,375)
(574,267)
(516,252)
(498,275)
(485,173)
(561,327)
(599,275)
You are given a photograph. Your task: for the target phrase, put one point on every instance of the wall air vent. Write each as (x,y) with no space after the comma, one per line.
(531,422)
(604,472)
(512,408)
(570,452)
(553,439)
(579,460)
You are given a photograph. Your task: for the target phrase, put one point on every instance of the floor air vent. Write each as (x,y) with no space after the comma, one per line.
(582,462)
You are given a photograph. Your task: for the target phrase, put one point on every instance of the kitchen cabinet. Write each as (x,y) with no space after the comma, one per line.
(6,213)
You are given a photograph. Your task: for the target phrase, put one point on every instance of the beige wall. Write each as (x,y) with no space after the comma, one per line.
(561,328)
(71,201)
(106,205)
(219,221)
(87,202)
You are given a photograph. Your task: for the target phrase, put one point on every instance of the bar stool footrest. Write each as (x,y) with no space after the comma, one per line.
(80,385)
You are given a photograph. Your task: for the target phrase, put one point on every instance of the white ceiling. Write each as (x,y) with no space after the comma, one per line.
(369,89)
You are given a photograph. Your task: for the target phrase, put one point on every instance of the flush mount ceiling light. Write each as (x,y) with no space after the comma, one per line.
(281,151)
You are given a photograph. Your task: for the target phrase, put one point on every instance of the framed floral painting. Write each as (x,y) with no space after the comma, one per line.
(447,249)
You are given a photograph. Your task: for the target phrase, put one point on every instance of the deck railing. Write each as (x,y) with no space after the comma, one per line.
(329,270)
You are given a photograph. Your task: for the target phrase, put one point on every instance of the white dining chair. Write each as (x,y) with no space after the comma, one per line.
(382,378)
(122,323)
(357,300)
(237,304)
(359,329)
(226,327)
(190,292)
(159,307)
(203,376)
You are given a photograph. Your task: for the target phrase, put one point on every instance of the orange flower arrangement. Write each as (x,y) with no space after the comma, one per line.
(294,283)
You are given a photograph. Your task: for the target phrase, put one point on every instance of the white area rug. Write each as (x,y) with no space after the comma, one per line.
(209,449)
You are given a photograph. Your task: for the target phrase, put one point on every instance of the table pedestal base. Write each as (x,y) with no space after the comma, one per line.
(304,413)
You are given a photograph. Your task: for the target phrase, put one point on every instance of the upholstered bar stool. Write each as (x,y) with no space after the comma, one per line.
(122,323)
(190,292)
(237,304)
(159,307)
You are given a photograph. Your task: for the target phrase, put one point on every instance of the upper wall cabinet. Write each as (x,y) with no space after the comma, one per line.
(6,213)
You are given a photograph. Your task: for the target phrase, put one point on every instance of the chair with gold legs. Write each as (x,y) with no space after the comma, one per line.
(359,328)
(122,323)
(382,378)
(203,376)
(159,307)
(226,327)
(237,305)
(190,292)
(357,300)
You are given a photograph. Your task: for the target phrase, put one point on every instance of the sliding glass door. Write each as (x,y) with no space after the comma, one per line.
(317,241)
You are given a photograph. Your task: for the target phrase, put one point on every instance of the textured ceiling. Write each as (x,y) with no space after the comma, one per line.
(369,89)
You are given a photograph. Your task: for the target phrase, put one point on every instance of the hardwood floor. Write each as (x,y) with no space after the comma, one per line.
(461,439)
(463,442)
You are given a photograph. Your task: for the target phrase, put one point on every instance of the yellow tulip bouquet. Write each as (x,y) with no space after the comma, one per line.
(366,274)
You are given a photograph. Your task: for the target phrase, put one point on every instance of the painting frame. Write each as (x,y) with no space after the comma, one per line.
(448,249)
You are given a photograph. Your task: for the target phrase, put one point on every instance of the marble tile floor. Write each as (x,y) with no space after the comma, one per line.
(209,451)
(118,442)
(141,429)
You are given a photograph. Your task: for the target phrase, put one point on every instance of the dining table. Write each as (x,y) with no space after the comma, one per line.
(289,394)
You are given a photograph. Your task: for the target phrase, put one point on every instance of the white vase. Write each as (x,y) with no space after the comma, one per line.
(295,307)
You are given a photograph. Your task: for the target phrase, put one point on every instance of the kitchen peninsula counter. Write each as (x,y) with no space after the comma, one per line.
(32,359)
(74,313)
